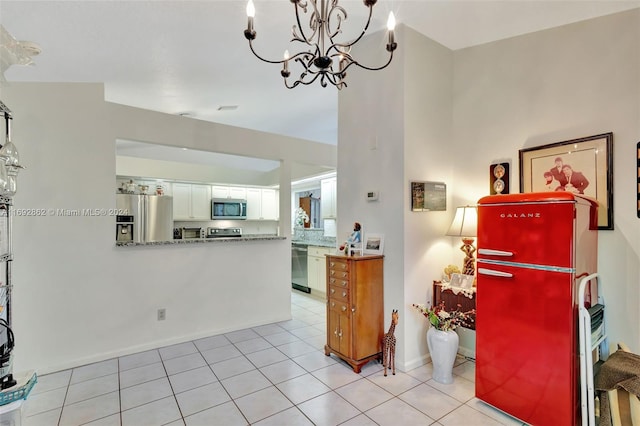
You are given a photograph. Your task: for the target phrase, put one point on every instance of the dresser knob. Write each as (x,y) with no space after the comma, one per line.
(344,294)
(332,291)
(344,308)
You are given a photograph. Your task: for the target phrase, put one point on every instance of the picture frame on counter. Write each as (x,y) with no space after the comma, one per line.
(428,196)
(588,162)
(373,244)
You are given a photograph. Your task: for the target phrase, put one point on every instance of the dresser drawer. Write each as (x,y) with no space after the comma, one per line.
(339,282)
(337,264)
(338,294)
(338,306)
(338,275)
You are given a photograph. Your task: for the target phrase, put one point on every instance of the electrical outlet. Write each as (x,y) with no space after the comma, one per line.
(162,314)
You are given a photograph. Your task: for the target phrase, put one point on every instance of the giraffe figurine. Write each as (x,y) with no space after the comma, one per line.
(389,345)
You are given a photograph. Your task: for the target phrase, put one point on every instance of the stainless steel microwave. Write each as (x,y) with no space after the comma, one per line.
(228,208)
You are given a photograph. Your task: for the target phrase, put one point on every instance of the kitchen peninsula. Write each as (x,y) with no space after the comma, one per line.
(191,241)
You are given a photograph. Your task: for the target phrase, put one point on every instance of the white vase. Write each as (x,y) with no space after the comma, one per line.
(443,347)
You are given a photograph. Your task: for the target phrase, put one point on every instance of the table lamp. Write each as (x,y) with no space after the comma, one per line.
(465,225)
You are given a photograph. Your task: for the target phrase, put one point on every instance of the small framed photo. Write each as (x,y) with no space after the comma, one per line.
(428,196)
(373,243)
(462,281)
(499,178)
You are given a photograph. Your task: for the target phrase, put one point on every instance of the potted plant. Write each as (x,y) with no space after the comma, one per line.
(301,217)
(442,338)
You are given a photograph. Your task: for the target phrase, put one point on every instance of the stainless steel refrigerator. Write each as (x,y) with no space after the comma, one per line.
(151,215)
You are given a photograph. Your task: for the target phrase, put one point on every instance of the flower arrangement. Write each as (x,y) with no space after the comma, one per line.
(301,217)
(444,320)
(450,269)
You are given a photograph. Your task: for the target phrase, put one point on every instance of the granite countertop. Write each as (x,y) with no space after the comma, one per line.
(249,237)
(330,244)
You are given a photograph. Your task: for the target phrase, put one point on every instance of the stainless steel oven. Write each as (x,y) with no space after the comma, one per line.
(224,232)
(192,233)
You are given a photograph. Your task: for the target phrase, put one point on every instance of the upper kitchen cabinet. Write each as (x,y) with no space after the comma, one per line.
(235,192)
(328,190)
(262,204)
(191,202)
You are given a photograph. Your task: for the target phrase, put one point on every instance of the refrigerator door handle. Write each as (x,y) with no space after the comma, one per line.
(493,273)
(491,252)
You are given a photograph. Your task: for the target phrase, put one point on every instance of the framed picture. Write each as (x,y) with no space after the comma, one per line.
(499,178)
(582,166)
(428,196)
(373,243)
(462,281)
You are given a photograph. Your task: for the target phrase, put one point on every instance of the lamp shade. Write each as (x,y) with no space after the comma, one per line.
(465,222)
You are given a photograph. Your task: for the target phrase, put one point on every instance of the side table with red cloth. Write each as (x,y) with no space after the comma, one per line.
(452,300)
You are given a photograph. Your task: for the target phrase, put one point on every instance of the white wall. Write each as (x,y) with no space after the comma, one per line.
(78,298)
(578,80)
(565,83)
(428,157)
(398,137)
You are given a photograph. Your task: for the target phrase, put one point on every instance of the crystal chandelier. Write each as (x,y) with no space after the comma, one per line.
(325,58)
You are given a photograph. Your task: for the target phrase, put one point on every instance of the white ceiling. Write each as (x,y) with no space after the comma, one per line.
(191,56)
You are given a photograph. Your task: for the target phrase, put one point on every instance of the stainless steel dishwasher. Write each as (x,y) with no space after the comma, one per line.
(299,279)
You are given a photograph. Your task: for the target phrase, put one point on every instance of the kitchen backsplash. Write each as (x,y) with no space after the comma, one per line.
(315,235)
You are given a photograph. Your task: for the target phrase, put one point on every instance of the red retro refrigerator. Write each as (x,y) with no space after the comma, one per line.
(532,251)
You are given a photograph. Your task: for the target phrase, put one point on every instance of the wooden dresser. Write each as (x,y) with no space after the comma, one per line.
(355,305)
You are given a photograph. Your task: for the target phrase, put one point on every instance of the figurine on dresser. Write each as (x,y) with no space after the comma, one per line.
(353,239)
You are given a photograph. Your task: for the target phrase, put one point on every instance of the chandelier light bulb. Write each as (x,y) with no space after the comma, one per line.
(391,22)
(251,9)
(285,65)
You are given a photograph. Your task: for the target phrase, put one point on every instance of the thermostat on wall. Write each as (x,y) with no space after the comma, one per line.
(372,195)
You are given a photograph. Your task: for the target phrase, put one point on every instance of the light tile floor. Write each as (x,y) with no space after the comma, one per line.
(275,374)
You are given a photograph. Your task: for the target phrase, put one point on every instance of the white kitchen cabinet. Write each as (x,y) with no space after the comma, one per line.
(316,269)
(201,202)
(220,192)
(235,192)
(328,195)
(262,204)
(270,203)
(254,203)
(191,202)
(238,192)
(181,201)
